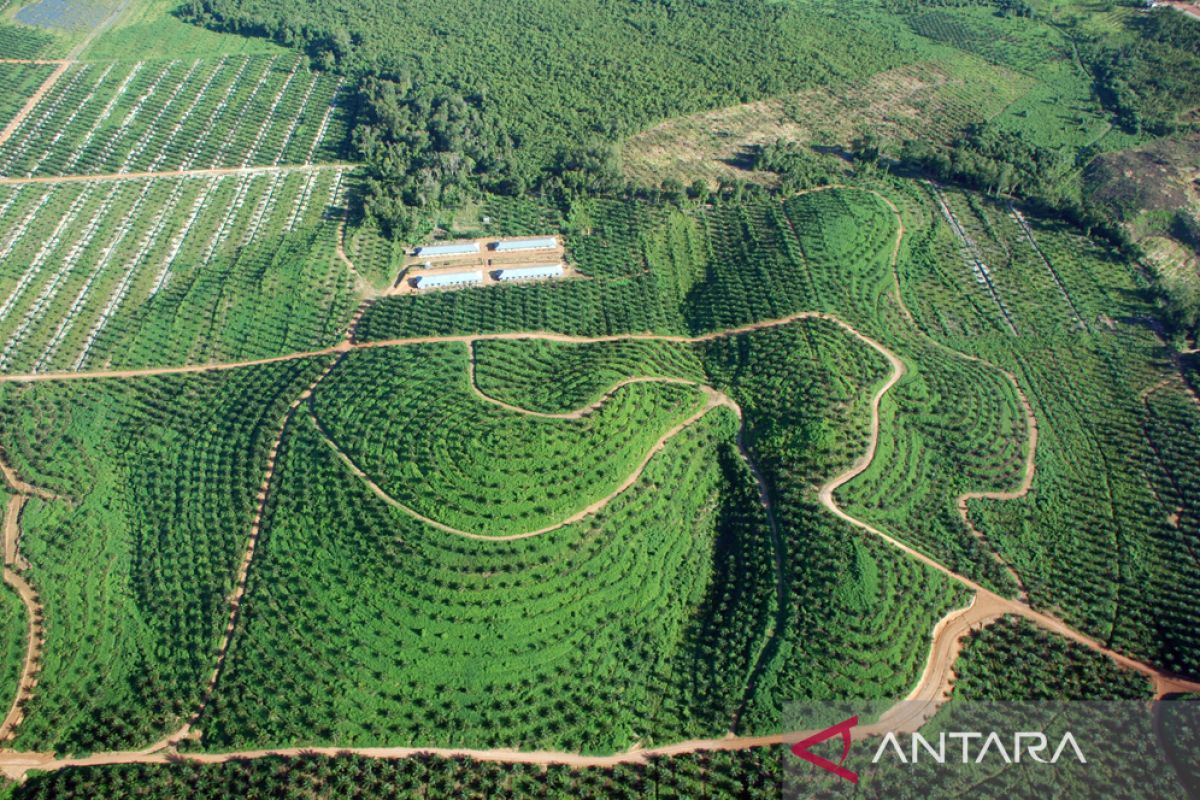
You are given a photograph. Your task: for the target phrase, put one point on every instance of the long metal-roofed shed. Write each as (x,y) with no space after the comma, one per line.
(465,249)
(513,246)
(531,273)
(449,279)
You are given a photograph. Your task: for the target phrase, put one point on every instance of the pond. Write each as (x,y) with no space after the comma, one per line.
(63,15)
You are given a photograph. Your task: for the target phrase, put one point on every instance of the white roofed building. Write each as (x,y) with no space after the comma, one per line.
(545,243)
(531,273)
(449,279)
(467,249)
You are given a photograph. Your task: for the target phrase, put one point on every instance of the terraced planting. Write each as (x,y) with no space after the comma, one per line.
(718,598)
(1097,539)
(157,479)
(156,116)
(882,440)
(408,419)
(554,378)
(154,271)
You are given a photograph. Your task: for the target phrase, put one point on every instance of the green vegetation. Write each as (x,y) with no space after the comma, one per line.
(133,566)
(561,640)
(551,377)
(453,109)
(1014,660)
(1050,666)
(22,42)
(702,583)
(17,83)
(718,775)
(13,632)
(406,416)
(170,270)
(103,117)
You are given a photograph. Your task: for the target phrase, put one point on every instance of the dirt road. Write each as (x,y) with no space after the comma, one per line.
(32,102)
(212,172)
(62,67)
(931,688)
(713,399)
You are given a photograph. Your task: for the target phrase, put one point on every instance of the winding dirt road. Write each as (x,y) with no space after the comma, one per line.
(930,691)
(713,399)
(13,565)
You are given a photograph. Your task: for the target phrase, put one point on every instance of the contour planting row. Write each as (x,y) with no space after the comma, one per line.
(165,115)
(407,417)
(857,614)
(133,568)
(133,271)
(1101,538)
(363,626)
(553,377)
(954,426)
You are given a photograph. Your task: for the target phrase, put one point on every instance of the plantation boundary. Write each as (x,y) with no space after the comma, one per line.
(947,635)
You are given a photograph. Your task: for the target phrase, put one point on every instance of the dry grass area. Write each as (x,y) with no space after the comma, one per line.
(934,100)
(1177,263)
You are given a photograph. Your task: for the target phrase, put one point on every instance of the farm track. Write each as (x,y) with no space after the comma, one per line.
(713,399)
(59,71)
(930,692)
(243,574)
(33,100)
(13,565)
(211,172)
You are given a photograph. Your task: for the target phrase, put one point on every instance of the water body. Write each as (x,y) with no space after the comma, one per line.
(63,15)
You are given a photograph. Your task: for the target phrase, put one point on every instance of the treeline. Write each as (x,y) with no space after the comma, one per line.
(1149,79)
(529,96)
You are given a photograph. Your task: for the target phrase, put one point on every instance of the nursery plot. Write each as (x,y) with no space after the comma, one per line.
(407,417)
(158,480)
(154,116)
(169,270)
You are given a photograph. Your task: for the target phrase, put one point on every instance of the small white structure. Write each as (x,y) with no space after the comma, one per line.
(547,243)
(468,249)
(531,273)
(449,279)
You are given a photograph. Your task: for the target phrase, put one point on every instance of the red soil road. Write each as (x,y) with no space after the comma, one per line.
(1191,9)
(947,635)
(35,635)
(213,172)
(713,399)
(33,101)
